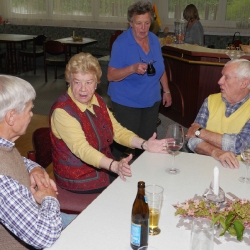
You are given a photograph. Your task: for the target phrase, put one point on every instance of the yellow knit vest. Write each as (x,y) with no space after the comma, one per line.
(219,123)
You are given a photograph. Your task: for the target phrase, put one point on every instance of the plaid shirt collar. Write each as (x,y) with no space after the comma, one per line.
(6,143)
(230,109)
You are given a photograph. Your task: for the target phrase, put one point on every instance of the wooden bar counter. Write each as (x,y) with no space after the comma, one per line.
(193,74)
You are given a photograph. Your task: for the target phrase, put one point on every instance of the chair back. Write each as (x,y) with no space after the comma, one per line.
(39,40)
(54,47)
(31,52)
(42,146)
(113,38)
(55,53)
(3,67)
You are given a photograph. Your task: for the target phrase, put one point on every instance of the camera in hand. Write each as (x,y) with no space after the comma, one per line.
(151,69)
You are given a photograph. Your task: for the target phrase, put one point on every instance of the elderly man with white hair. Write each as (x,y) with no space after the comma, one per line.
(29,211)
(222,127)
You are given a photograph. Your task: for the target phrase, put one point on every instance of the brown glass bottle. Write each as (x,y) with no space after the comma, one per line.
(139,219)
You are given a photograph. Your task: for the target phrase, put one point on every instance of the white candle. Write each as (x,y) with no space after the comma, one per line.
(216,180)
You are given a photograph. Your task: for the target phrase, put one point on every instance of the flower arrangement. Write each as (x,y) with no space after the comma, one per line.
(233,215)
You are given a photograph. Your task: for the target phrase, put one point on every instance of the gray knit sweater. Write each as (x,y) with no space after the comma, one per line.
(12,165)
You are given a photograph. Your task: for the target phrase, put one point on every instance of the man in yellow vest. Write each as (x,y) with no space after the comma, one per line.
(222,127)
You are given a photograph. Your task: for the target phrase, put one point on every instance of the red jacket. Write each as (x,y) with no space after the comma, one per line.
(70,172)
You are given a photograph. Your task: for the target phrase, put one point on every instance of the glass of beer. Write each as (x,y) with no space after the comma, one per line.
(154,194)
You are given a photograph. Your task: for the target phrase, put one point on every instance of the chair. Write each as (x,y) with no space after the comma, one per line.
(104,60)
(32,53)
(3,67)
(113,38)
(55,54)
(69,202)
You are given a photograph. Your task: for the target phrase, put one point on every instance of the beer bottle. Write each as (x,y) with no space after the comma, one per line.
(139,219)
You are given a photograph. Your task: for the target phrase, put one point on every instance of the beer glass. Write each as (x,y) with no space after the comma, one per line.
(202,234)
(154,194)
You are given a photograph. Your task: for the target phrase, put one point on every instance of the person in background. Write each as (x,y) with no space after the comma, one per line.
(82,130)
(194,31)
(134,93)
(222,126)
(29,211)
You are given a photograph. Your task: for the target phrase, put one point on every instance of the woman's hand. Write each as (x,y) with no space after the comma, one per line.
(155,146)
(167,100)
(122,168)
(140,68)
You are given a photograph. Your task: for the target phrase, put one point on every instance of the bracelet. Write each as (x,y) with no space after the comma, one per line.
(110,165)
(166,92)
(142,145)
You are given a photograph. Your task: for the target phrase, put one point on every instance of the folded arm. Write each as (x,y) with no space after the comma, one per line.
(226,158)
(210,143)
(39,228)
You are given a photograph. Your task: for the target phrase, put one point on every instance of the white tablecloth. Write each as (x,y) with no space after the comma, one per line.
(105,224)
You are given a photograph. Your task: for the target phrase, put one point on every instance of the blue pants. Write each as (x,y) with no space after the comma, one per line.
(67,218)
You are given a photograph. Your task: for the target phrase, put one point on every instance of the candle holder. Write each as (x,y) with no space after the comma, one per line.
(209,194)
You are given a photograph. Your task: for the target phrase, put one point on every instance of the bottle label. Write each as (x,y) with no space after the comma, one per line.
(135,237)
(145,199)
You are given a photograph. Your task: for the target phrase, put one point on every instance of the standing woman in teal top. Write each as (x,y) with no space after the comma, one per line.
(194,30)
(135,88)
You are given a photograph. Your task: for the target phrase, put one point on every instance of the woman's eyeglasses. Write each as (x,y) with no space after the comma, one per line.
(150,69)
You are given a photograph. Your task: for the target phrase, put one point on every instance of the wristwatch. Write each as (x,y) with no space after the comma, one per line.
(197,132)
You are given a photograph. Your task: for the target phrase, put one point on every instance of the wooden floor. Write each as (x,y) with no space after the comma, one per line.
(24,143)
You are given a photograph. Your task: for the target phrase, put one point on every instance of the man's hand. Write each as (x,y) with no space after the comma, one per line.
(40,191)
(226,158)
(43,177)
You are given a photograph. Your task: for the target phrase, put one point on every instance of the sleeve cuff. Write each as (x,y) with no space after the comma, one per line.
(193,142)
(228,142)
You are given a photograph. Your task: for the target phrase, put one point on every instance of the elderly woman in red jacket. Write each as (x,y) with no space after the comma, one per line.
(83,129)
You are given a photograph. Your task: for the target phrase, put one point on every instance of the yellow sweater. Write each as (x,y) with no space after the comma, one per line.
(68,129)
(219,123)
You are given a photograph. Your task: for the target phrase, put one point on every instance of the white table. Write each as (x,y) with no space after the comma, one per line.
(105,224)
(79,44)
(11,40)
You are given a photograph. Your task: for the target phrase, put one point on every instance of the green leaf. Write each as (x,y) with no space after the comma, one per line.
(229,219)
(239,228)
(215,219)
(232,231)
(223,224)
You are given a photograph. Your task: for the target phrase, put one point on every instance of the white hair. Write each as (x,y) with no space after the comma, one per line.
(243,68)
(15,93)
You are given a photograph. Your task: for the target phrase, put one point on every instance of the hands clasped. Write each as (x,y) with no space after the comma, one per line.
(41,185)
